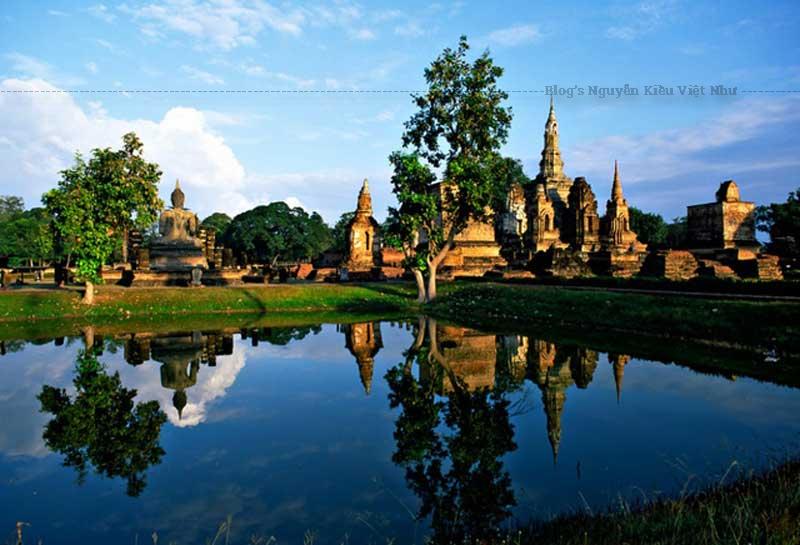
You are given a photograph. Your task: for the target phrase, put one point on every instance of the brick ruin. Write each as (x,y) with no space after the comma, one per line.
(553,227)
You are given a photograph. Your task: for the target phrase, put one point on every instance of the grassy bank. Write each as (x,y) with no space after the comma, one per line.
(113,303)
(737,323)
(763,509)
(614,316)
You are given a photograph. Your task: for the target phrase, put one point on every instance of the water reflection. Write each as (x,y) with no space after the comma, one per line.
(456,470)
(180,356)
(457,426)
(363,341)
(102,427)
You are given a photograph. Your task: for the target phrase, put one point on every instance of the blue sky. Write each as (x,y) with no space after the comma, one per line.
(235,150)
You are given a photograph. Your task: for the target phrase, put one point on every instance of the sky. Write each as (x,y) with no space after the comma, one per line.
(72,75)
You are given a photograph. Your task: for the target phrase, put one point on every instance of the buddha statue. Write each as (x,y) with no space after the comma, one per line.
(178,247)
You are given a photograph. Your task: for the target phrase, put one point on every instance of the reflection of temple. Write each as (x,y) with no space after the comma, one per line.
(618,361)
(180,355)
(555,370)
(497,361)
(470,355)
(364,342)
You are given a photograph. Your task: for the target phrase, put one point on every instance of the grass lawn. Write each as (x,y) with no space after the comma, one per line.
(767,325)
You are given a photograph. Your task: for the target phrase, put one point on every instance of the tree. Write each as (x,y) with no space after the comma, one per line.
(97,202)
(649,227)
(678,233)
(458,129)
(10,207)
(782,222)
(218,221)
(27,236)
(339,233)
(102,426)
(275,231)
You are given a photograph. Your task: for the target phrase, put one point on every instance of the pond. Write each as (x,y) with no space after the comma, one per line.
(346,433)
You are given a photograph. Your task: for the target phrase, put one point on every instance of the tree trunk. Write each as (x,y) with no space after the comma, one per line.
(421,294)
(125,245)
(88,294)
(432,281)
(88,337)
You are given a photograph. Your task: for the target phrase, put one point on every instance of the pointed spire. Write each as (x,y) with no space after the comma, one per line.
(177,183)
(551,165)
(364,200)
(616,186)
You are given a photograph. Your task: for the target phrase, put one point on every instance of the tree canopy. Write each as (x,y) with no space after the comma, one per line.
(97,202)
(276,231)
(24,234)
(11,207)
(649,227)
(782,222)
(458,129)
(339,233)
(102,426)
(218,221)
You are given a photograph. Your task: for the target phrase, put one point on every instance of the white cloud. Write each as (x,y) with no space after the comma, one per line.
(31,67)
(641,18)
(294,202)
(515,35)
(409,29)
(57,13)
(362,34)
(672,153)
(39,137)
(224,24)
(102,12)
(202,75)
(91,67)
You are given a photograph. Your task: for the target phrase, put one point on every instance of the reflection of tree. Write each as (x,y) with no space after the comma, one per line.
(279,336)
(456,470)
(102,426)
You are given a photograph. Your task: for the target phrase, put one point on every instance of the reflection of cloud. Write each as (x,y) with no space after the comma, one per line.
(22,375)
(212,383)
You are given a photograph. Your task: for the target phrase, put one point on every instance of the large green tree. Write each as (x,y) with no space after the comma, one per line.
(278,232)
(649,227)
(26,236)
(218,221)
(97,202)
(102,426)
(457,131)
(782,222)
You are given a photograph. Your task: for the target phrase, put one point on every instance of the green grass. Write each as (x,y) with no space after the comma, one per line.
(765,325)
(736,323)
(113,302)
(752,509)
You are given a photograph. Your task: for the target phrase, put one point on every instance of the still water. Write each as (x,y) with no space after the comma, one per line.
(348,432)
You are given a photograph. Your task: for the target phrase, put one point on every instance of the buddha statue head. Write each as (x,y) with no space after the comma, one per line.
(177,197)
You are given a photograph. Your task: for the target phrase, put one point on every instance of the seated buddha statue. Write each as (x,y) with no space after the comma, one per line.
(178,246)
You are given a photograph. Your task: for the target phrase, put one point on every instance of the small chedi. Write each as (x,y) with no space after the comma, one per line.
(178,248)
(362,231)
